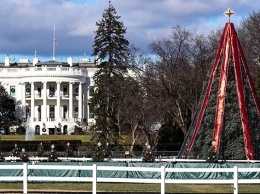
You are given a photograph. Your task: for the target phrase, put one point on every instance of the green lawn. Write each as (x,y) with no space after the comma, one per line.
(122,187)
(83,138)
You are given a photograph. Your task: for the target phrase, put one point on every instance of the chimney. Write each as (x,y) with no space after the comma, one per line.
(70,61)
(7,61)
(35,59)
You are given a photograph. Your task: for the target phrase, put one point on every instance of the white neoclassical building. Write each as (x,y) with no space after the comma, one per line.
(53,94)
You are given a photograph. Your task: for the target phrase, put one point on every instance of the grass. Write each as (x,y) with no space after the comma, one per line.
(83,138)
(122,187)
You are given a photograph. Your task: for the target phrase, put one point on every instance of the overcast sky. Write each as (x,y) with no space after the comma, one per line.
(28,25)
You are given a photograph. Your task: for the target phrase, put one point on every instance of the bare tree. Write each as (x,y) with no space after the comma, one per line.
(137,109)
(167,85)
(178,72)
(249,36)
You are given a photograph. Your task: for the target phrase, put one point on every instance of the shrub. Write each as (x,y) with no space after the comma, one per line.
(20,130)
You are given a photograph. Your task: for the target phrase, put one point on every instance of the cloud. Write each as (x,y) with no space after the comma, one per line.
(28,24)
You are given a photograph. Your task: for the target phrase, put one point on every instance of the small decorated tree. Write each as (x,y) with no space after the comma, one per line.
(53,156)
(40,150)
(2,158)
(101,152)
(148,154)
(212,155)
(68,151)
(24,157)
(15,151)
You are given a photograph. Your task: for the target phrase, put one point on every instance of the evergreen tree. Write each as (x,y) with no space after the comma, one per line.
(148,154)
(53,156)
(110,42)
(40,150)
(24,157)
(171,137)
(2,157)
(7,109)
(101,152)
(212,155)
(15,151)
(110,45)
(69,151)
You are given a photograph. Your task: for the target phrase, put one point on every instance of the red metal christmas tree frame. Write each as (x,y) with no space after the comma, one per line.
(229,45)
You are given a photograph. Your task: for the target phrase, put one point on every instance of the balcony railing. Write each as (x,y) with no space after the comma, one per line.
(64,96)
(36,119)
(43,71)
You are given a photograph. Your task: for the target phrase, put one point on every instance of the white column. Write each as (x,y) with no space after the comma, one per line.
(83,106)
(71,101)
(80,102)
(23,100)
(44,107)
(57,112)
(32,101)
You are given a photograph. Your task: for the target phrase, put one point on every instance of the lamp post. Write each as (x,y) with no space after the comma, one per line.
(0,141)
(147,145)
(59,128)
(59,125)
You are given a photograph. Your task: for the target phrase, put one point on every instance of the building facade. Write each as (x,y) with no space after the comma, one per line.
(53,95)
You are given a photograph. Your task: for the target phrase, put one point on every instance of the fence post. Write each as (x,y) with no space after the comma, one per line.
(94,183)
(162,179)
(25,177)
(235,180)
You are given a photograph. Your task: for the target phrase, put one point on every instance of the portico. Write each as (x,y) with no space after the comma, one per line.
(54,94)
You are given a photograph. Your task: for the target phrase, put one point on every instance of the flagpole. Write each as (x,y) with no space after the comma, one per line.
(53,54)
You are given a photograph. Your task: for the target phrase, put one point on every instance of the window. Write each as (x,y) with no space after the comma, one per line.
(65,129)
(51,90)
(91,114)
(65,110)
(28,90)
(39,90)
(39,113)
(28,112)
(76,110)
(65,90)
(52,111)
(12,90)
(37,129)
(91,90)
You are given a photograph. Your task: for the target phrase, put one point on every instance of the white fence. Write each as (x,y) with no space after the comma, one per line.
(94,179)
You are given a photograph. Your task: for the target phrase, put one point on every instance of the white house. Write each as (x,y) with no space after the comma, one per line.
(54,94)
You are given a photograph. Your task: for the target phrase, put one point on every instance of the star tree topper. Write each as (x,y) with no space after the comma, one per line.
(229,13)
